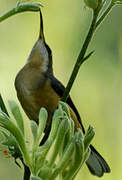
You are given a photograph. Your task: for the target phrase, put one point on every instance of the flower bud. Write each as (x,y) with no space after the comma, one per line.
(93,4)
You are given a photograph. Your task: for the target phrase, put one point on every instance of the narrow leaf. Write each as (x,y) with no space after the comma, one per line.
(17,114)
(65,108)
(2,105)
(64,161)
(6,123)
(88,136)
(35,178)
(34,129)
(63,128)
(43,115)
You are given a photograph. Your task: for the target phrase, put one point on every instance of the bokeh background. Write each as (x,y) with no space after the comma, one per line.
(97,89)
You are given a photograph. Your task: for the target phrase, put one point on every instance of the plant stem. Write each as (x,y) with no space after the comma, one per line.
(95,23)
(104,14)
(2,105)
(19,9)
(80,58)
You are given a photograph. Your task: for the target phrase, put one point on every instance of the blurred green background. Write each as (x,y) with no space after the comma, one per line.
(97,89)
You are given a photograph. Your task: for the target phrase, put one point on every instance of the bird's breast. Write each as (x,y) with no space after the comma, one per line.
(34,94)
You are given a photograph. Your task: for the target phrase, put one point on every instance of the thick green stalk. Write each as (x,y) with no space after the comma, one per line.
(80,58)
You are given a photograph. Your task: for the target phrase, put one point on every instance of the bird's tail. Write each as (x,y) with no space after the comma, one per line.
(96,164)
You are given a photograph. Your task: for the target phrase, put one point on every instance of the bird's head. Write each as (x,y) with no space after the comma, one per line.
(41,54)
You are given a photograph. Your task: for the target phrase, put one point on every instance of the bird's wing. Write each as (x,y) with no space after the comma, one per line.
(59,89)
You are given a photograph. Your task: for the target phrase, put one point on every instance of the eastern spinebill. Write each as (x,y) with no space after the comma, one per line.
(37,87)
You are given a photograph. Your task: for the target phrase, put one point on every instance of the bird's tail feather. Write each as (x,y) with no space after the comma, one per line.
(96,164)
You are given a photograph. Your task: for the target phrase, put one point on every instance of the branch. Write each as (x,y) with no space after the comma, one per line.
(21,8)
(94,25)
(80,58)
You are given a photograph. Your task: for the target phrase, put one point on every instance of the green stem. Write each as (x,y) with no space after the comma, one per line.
(80,58)
(104,14)
(2,105)
(21,8)
(95,23)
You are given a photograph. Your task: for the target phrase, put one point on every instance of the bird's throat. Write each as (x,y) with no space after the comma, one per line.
(39,57)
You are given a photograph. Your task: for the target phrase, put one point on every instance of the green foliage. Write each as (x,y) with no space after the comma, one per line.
(17,115)
(67,156)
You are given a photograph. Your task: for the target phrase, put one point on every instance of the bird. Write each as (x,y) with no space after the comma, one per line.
(37,87)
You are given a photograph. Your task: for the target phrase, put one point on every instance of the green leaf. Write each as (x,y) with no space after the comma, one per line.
(64,161)
(62,130)
(55,123)
(6,123)
(69,135)
(87,153)
(34,129)
(45,172)
(88,136)
(10,140)
(12,145)
(17,114)
(43,115)
(65,108)
(44,149)
(41,153)
(35,178)
(78,156)
(2,105)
